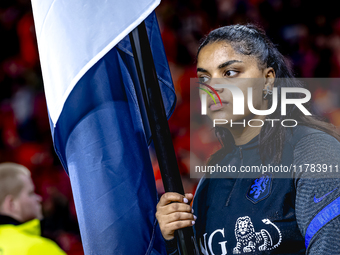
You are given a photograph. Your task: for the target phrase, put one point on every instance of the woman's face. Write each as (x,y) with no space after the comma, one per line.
(219,60)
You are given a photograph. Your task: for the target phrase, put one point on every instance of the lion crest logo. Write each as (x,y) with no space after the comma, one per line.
(250,241)
(260,188)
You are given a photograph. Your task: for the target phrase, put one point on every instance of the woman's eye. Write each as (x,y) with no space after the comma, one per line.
(203,79)
(230,73)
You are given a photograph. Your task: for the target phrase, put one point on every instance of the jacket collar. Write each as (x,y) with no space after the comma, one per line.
(4,219)
(250,145)
(31,227)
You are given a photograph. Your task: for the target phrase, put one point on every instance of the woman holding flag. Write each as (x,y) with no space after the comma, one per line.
(286,213)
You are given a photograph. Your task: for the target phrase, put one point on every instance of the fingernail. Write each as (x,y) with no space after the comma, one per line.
(185,200)
(192,210)
(195,217)
(193,222)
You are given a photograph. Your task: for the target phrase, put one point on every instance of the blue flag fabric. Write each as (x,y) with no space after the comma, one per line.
(100,140)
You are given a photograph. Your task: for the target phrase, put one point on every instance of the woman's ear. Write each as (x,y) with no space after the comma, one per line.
(269,75)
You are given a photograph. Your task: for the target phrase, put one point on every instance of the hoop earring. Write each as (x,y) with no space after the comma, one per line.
(268,92)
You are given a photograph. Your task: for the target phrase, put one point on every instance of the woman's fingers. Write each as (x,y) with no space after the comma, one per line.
(180,216)
(166,203)
(189,196)
(176,207)
(174,212)
(169,229)
(169,197)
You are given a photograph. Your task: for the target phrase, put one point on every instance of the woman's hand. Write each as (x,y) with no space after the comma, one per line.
(172,216)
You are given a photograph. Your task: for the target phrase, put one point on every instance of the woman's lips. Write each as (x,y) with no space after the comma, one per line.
(217,106)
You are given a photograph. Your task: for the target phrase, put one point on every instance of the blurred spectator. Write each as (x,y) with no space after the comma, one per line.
(20,212)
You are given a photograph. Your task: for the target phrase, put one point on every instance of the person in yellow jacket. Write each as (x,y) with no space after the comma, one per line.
(20,215)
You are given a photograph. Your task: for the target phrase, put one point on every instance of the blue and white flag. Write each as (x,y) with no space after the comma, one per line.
(89,75)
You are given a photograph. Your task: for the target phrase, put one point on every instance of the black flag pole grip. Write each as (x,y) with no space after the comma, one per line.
(160,131)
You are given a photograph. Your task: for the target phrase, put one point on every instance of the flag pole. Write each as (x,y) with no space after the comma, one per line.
(160,131)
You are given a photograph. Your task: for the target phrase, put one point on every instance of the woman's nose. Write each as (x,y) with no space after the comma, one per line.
(214,85)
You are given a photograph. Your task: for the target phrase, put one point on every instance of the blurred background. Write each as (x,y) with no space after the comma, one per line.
(306,32)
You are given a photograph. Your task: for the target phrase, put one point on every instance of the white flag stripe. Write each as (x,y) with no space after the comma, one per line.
(70,42)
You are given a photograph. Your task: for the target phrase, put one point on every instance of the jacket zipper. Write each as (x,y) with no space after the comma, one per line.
(241,157)
(241,154)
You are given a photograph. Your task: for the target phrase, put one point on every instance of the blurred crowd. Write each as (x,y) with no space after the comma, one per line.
(306,32)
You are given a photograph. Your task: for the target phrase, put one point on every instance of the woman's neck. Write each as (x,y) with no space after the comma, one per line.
(245,135)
